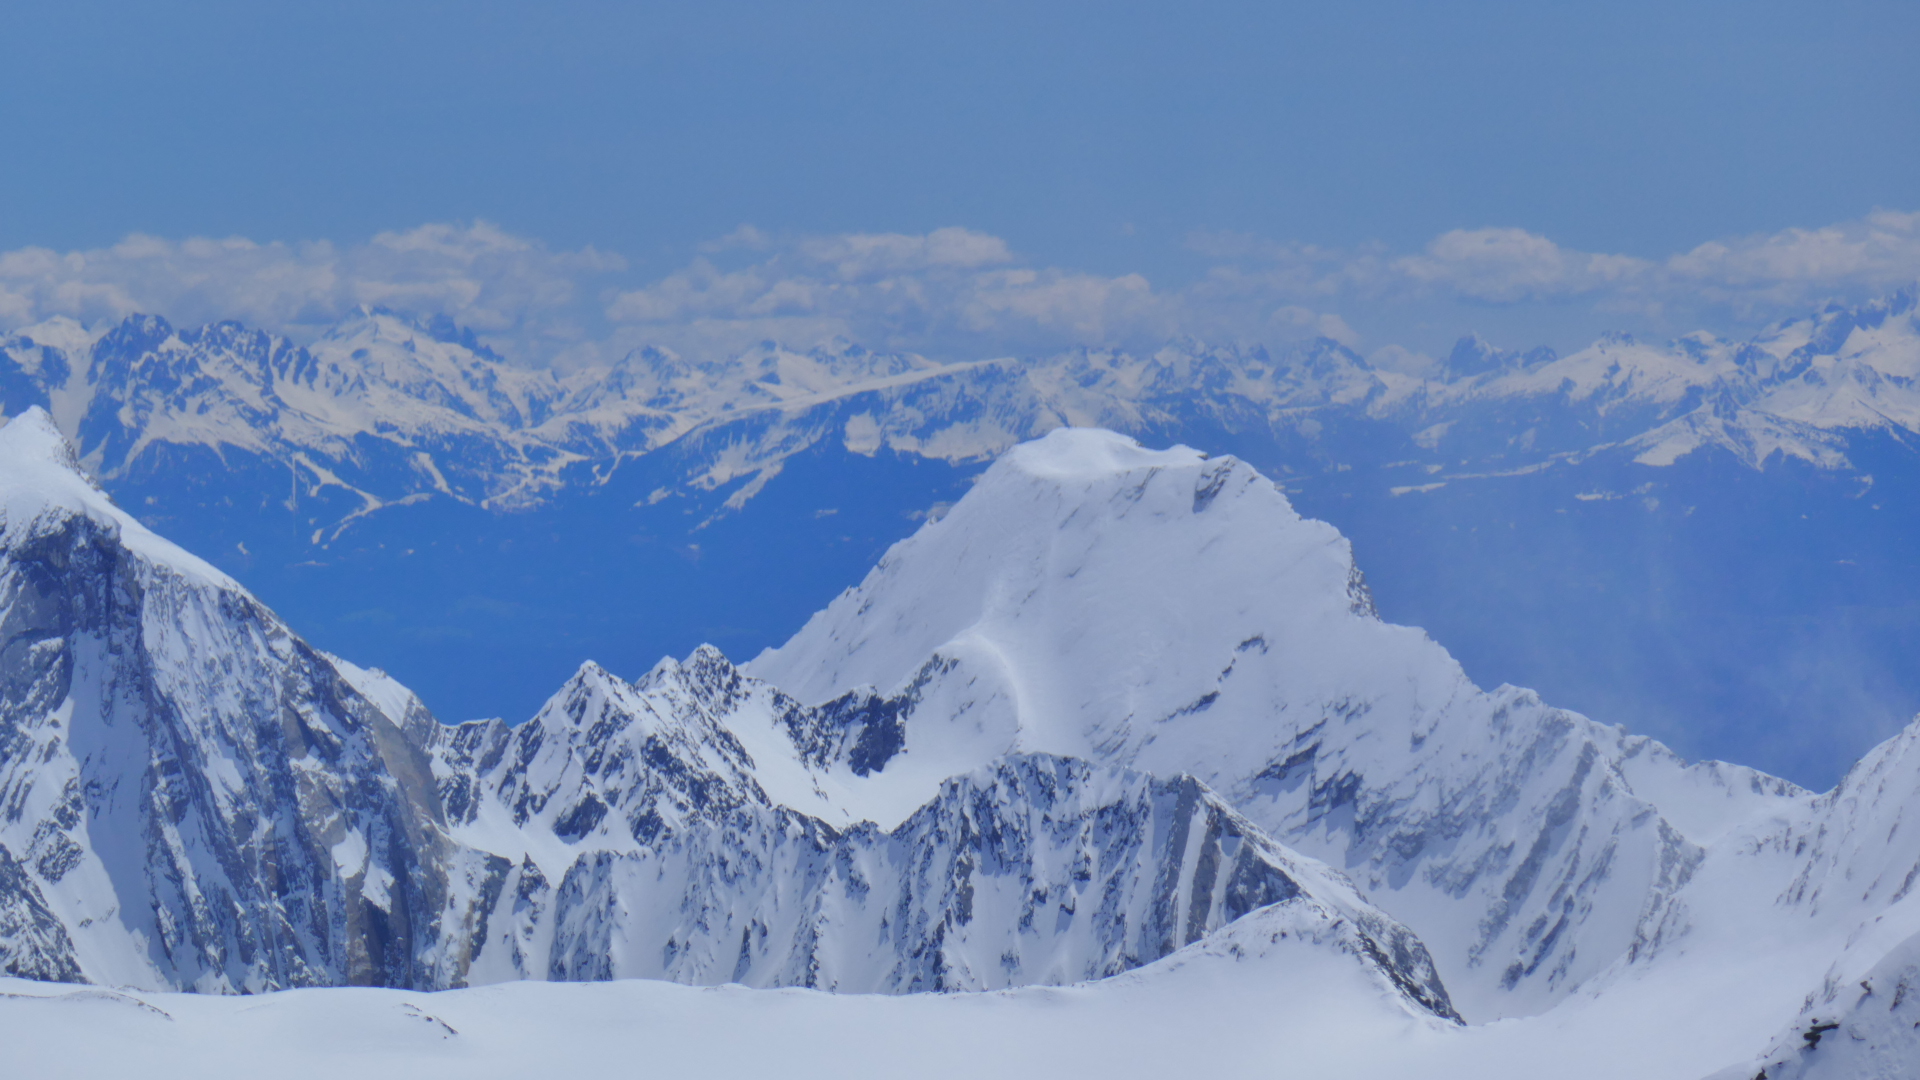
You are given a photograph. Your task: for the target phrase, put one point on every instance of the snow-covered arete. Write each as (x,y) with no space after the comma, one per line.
(637,841)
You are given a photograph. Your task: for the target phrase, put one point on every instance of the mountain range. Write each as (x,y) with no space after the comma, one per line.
(1117,714)
(1704,537)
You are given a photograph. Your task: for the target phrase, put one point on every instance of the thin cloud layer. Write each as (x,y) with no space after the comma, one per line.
(954,293)
(1785,270)
(510,288)
(948,288)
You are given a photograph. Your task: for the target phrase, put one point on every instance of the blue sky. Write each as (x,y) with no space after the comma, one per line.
(1250,170)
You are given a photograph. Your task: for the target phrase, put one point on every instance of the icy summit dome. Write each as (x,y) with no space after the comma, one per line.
(1133,555)
(1087,453)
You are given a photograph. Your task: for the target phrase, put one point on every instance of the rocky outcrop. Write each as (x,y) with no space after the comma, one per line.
(642,844)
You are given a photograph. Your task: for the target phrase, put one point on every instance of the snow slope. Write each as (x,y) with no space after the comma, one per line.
(1161,611)
(1268,999)
(1261,998)
(1842,871)
(1864,1029)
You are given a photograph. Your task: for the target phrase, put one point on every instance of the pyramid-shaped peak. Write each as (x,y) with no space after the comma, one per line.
(1086,537)
(590,673)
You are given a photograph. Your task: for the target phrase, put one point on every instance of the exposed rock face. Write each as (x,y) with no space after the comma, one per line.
(1086,721)
(642,844)
(199,798)
(33,942)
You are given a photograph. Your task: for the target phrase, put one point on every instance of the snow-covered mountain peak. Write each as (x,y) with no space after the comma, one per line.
(33,445)
(194,796)
(380,354)
(42,485)
(384,411)
(1083,551)
(1171,613)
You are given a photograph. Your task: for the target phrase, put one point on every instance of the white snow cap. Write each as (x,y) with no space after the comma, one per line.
(41,481)
(1087,594)
(31,443)
(1090,453)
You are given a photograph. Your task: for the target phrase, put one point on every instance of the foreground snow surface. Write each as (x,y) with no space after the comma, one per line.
(1285,1011)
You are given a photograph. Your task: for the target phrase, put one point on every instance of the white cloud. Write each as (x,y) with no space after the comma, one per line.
(859,256)
(1505,265)
(1879,250)
(512,288)
(950,288)
(1405,361)
(1501,265)
(1508,265)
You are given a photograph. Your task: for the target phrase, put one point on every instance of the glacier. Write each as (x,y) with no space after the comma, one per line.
(1119,733)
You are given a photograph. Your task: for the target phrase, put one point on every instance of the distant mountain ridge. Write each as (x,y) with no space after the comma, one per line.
(387,409)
